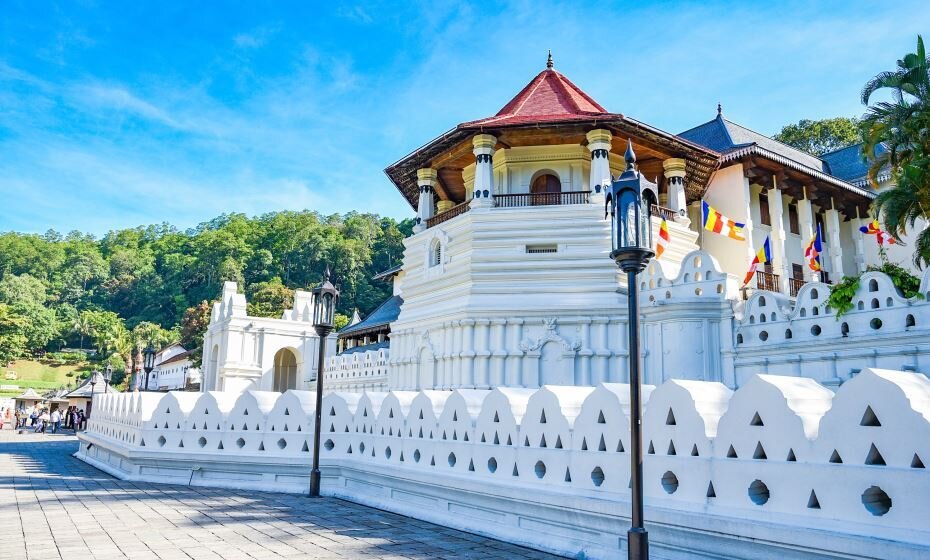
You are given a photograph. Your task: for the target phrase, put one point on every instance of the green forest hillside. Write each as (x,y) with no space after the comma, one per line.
(133,286)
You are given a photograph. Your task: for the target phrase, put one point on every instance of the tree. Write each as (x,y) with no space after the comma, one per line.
(28,321)
(13,341)
(193,326)
(901,127)
(269,299)
(820,137)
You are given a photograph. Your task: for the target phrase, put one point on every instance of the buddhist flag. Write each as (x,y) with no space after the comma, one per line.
(881,236)
(663,240)
(813,250)
(718,223)
(764,256)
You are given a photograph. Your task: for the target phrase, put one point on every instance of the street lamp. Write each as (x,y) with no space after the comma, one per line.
(631,233)
(107,376)
(93,381)
(325,297)
(148,364)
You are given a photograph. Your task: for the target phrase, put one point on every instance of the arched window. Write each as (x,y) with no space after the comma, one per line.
(285,370)
(435,253)
(545,190)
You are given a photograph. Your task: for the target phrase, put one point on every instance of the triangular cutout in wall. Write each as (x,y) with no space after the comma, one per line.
(874,457)
(759,453)
(652,448)
(791,456)
(600,417)
(869,418)
(711,493)
(835,457)
(812,501)
(670,418)
(671,448)
(756,420)
(694,451)
(731,453)
(916,463)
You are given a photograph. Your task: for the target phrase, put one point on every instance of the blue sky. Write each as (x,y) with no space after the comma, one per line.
(116,114)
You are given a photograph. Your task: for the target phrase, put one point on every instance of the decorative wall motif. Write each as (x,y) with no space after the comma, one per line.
(777,445)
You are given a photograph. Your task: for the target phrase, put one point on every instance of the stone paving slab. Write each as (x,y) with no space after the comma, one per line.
(53,506)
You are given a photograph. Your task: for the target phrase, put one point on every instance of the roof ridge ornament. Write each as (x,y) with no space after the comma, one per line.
(549,63)
(719,109)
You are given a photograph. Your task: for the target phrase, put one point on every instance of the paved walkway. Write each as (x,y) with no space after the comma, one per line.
(54,506)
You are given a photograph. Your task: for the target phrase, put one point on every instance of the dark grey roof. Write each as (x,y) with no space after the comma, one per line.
(723,135)
(367,347)
(84,389)
(386,313)
(849,164)
(734,141)
(387,273)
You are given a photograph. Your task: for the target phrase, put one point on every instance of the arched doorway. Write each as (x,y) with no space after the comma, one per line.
(285,370)
(545,189)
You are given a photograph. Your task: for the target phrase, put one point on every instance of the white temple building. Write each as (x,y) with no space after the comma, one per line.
(506,280)
(488,392)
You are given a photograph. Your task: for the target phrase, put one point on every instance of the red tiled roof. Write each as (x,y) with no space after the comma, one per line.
(550,97)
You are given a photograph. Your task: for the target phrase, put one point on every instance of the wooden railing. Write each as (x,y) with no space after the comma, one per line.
(767,281)
(794,286)
(663,212)
(540,199)
(456,210)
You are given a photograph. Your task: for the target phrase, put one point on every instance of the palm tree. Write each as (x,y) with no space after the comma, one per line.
(82,326)
(897,138)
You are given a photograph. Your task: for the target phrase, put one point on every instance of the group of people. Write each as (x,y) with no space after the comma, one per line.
(43,420)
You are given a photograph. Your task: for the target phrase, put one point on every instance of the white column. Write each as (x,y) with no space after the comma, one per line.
(498,352)
(806,219)
(747,218)
(600,179)
(778,236)
(484,171)
(675,179)
(859,238)
(836,247)
(426,183)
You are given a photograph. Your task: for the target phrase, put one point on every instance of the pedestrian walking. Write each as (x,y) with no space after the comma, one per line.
(55,418)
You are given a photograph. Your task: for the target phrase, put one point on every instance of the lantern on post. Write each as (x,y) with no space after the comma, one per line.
(148,363)
(325,297)
(631,217)
(631,231)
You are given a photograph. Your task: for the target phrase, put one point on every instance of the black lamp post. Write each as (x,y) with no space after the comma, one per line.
(631,232)
(325,297)
(107,376)
(93,382)
(148,364)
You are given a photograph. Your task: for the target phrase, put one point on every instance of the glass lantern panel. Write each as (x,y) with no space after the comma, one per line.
(646,224)
(627,220)
(327,309)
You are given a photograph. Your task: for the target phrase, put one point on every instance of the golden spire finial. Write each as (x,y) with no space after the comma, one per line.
(549,60)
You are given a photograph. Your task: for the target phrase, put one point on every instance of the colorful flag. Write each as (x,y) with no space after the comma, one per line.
(813,251)
(764,256)
(663,240)
(718,223)
(881,236)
